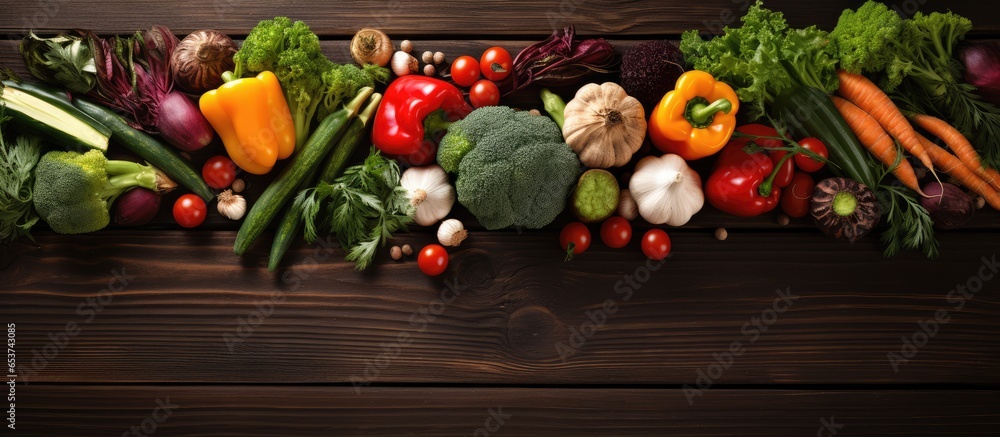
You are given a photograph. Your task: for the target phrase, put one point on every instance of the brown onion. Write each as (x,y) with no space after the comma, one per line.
(200,59)
(371,46)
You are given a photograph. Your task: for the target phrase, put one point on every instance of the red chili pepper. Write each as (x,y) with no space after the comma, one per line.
(405,126)
(734,185)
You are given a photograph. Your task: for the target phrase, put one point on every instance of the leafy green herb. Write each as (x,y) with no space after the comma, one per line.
(63,61)
(764,57)
(364,207)
(17,165)
(910,225)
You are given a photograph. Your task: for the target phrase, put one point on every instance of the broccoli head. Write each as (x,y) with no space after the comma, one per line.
(73,191)
(864,37)
(514,169)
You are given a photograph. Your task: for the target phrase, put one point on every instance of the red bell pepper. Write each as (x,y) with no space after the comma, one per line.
(734,186)
(414,109)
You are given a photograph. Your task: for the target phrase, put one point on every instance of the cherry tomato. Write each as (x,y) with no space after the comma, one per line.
(496,63)
(616,232)
(784,176)
(795,199)
(807,163)
(656,244)
(484,93)
(433,259)
(465,70)
(578,235)
(219,172)
(190,211)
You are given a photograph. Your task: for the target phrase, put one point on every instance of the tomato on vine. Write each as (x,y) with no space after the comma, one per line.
(656,244)
(496,63)
(807,163)
(574,239)
(433,259)
(190,211)
(616,232)
(465,70)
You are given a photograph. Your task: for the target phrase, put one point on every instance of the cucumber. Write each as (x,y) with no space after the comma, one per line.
(45,111)
(283,187)
(148,148)
(809,112)
(291,222)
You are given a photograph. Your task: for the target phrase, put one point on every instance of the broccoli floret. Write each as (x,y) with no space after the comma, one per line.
(73,191)
(864,37)
(514,169)
(261,49)
(314,86)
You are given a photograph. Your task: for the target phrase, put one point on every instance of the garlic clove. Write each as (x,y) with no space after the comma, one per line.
(231,206)
(451,233)
(403,63)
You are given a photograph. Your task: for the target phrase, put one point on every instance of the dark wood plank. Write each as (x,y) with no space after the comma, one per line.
(192,312)
(422,18)
(326,411)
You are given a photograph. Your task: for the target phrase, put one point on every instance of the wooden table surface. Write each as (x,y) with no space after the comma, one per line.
(775,331)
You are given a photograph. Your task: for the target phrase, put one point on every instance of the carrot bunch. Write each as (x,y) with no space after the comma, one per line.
(876,121)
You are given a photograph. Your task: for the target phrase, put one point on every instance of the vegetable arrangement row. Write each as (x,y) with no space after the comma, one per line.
(834,125)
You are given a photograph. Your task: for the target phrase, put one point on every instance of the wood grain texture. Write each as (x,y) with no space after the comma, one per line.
(327,411)
(403,19)
(194,312)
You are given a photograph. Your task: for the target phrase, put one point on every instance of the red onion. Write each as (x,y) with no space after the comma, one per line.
(136,207)
(982,68)
(182,121)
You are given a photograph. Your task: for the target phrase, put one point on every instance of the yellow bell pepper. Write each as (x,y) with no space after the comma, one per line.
(252,118)
(696,119)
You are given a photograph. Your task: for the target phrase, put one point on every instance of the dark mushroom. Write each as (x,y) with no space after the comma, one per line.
(844,209)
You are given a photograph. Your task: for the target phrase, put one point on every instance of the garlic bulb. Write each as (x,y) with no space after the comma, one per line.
(402,63)
(626,205)
(666,190)
(232,206)
(430,192)
(451,233)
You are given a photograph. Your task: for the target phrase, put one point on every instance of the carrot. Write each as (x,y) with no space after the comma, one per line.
(956,168)
(867,96)
(959,145)
(877,141)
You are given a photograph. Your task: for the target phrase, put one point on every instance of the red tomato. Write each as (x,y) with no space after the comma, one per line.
(578,235)
(807,163)
(219,172)
(616,232)
(496,63)
(433,259)
(465,70)
(762,131)
(795,199)
(484,93)
(656,244)
(784,176)
(190,211)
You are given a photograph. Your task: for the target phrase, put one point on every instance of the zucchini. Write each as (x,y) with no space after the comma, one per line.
(46,112)
(283,187)
(148,148)
(291,222)
(809,112)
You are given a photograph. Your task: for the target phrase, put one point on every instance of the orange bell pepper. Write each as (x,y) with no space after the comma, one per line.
(696,119)
(253,120)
